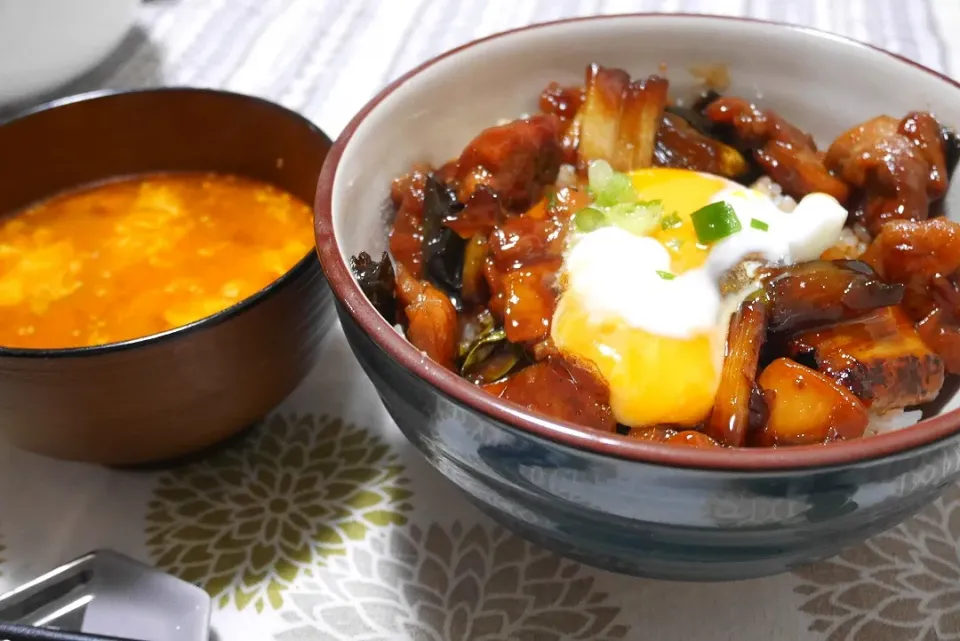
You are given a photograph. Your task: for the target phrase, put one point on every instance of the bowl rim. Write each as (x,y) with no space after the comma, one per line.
(447,383)
(298,269)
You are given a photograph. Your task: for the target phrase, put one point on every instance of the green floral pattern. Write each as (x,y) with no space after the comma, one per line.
(247,521)
(463,583)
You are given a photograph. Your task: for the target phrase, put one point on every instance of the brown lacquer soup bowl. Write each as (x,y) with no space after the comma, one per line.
(614,501)
(168,394)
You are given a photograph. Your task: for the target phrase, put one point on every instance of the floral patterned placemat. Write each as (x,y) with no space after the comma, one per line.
(322,523)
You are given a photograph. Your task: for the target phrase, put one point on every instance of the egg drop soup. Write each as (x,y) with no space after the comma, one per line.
(143,255)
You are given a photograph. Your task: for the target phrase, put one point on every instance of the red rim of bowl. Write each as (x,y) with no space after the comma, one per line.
(448,383)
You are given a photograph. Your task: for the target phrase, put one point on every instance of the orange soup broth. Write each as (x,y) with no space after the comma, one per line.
(143,255)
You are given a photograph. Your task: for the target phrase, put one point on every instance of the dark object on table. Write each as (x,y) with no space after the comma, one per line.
(20,632)
(170,394)
(109,596)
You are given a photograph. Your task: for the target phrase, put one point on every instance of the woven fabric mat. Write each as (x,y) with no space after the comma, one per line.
(321,525)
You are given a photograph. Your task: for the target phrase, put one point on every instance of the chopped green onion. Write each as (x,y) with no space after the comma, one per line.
(759,224)
(674,244)
(666,275)
(653,206)
(715,222)
(618,190)
(609,187)
(589,219)
(599,173)
(639,218)
(671,221)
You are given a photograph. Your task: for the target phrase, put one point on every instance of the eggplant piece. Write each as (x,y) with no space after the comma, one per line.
(807,407)
(443,249)
(880,358)
(378,282)
(680,145)
(824,292)
(729,422)
(619,119)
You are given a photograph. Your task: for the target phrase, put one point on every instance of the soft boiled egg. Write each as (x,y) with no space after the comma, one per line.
(641,297)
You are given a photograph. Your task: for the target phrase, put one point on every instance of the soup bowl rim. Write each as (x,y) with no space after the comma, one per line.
(299,268)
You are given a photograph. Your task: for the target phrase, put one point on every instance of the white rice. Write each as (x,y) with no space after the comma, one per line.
(892,420)
(567,176)
(774,192)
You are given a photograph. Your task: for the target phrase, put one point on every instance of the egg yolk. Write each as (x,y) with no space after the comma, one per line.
(681,193)
(653,379)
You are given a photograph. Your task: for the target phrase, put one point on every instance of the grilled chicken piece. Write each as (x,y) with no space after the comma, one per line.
(786,154)
(913,252)
(515,161)
(880,358)
(899,169)
(563,390)
(406,235)
(431,318)
(924,256)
